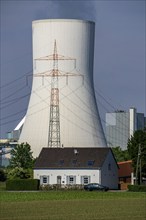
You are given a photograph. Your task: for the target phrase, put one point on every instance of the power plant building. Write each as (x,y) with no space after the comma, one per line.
(62,110)
(121,125)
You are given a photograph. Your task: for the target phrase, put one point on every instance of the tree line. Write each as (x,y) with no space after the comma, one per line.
(136,149)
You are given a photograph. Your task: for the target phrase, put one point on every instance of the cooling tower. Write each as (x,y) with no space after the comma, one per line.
(62,107)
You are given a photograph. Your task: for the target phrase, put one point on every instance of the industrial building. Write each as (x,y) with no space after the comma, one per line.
(121,125)
(5,151)
(62,110)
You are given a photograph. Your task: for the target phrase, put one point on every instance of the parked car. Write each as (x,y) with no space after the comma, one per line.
(95,186)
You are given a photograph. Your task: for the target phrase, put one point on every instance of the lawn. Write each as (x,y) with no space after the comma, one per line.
(72,205)
(2,186)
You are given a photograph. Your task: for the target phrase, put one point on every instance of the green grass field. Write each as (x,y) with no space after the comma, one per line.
(2,186)
(72,205)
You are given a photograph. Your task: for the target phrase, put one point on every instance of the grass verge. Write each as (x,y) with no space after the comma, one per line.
(72,205)
(2,186)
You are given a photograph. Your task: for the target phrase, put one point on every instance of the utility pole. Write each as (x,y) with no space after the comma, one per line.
(138,165)
(54,139)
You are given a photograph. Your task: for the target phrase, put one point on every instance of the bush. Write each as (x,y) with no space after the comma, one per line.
(137,188)
(50,187)
(19,173)
(61,187)
(22,184)
(3,175)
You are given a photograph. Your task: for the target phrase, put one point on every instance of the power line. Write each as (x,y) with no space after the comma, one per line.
(18,90)
(13,81)
(63,98)
(17,113)
(13,101)
(103,98)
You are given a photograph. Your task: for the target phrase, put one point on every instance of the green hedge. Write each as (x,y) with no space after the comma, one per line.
(137,188)
(22,184)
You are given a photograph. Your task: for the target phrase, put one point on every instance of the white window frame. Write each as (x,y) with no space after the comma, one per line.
(83,180)
(42,178)
(71,182)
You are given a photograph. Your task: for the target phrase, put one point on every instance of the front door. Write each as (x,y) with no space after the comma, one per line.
(59,180)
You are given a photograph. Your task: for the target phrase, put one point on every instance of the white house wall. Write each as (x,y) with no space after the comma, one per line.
(53,173)
(80,124)
(109,172)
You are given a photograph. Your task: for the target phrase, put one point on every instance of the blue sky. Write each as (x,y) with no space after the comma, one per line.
(119,62)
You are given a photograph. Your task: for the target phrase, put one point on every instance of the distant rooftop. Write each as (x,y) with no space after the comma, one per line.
(71,157)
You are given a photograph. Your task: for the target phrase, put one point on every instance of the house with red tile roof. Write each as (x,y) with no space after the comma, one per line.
(125,173)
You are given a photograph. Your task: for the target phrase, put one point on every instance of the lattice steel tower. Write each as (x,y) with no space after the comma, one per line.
(54,123)
(55,73)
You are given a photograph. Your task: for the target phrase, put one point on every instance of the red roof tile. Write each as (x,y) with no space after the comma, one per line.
(125,168)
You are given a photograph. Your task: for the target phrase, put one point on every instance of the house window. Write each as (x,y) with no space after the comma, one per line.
(74,162)
(61,162)
(91,162)
(44,180)
(85,180)
(71,180)
(109,166)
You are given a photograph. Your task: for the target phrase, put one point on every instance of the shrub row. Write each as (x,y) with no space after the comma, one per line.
(22,184)
(61,187)
(3,176)
(137,188)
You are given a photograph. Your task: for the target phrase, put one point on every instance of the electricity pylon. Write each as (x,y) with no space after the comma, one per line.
(54,139)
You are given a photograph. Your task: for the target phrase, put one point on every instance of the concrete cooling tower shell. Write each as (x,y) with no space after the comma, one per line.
(80,124)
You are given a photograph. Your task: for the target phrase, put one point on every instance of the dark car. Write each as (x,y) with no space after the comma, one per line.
(95,186)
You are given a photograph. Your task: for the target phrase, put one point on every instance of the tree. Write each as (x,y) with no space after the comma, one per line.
(3,176)
(19,173)
(21,162)
(120,155)
(21,156)
(135,143)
